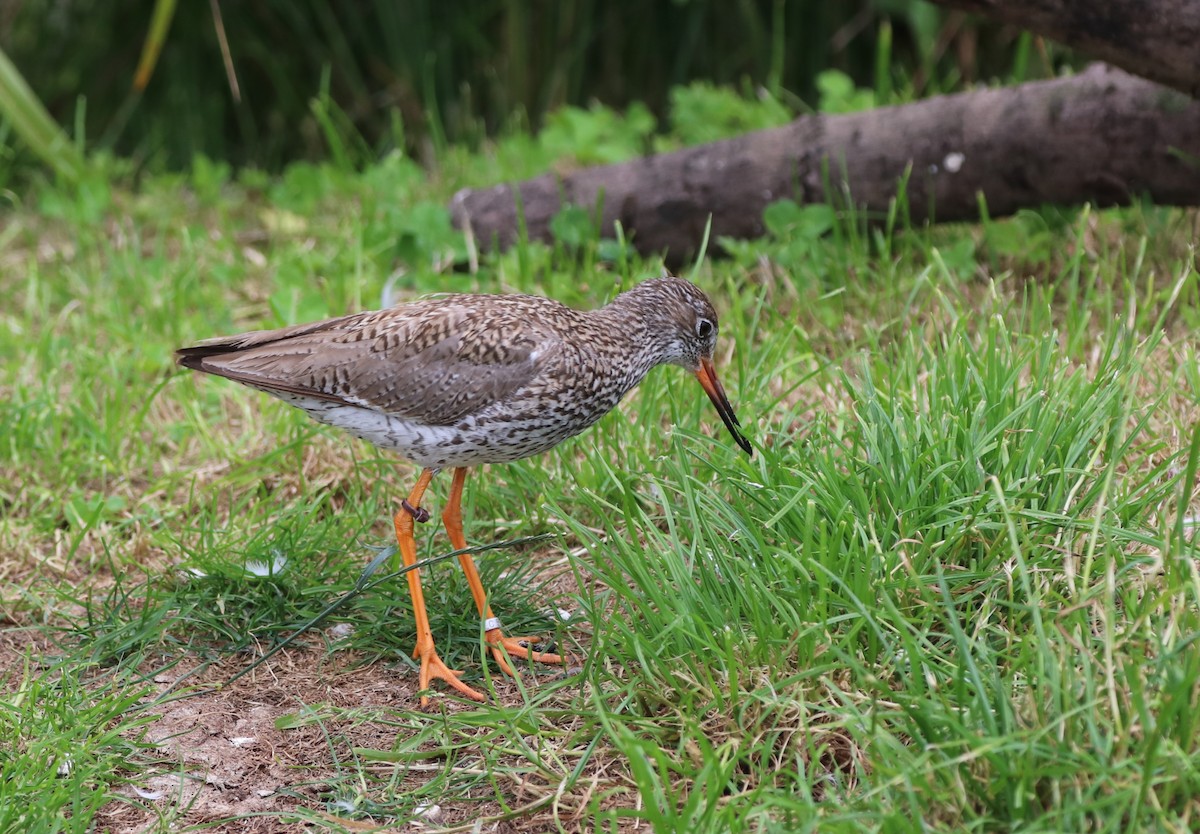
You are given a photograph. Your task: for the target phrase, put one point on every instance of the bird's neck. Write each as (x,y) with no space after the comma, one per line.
(635,335)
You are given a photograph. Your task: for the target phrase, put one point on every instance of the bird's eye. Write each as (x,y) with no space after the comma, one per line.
(704,328)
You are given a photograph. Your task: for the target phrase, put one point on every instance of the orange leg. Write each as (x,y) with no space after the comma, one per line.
(501,646)
(431,665)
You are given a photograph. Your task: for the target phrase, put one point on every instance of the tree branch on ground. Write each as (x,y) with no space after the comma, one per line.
(1102,136)
(1156,40)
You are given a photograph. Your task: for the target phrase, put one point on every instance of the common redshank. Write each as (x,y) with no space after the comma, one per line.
(456,381)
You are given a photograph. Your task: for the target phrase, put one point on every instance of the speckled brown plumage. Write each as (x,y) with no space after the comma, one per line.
(462,380)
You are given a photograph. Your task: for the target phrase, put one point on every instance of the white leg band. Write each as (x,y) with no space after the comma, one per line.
(491,623)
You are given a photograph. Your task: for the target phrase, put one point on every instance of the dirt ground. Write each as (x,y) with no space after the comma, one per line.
(224,765)
(238,763)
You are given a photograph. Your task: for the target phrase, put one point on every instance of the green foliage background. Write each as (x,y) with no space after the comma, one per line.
(420,73)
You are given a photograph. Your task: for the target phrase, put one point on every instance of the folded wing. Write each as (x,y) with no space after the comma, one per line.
(433,362)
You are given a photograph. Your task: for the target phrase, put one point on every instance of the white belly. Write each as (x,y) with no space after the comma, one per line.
(469,443)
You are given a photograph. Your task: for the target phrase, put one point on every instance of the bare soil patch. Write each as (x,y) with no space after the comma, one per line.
(227,766)
(220,761)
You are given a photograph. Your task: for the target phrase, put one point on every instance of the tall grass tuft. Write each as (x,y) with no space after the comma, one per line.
(916,592)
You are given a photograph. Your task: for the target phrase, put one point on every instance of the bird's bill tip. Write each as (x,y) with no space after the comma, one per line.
(707,375)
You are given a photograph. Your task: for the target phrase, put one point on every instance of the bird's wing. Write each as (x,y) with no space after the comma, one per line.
(436,362)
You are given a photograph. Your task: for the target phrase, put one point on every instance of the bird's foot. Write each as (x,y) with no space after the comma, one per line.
(432,668)
(505,647)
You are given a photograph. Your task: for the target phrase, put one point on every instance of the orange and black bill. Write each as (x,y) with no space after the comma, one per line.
(712,386)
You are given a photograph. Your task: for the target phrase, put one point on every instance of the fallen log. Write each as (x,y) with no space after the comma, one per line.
(1156,40)
(1102,136)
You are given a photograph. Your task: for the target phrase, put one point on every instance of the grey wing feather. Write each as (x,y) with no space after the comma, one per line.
(437,364)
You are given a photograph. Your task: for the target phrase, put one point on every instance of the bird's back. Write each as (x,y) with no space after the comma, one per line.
(448,381)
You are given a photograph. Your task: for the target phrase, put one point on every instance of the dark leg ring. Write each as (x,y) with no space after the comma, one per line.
(419,514)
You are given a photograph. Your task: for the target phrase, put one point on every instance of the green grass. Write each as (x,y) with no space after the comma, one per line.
(71,739)
(955,589)
(350,82)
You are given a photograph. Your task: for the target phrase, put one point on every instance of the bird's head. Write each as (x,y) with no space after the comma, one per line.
(685,326)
